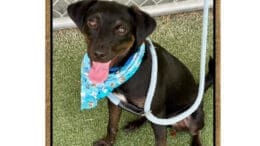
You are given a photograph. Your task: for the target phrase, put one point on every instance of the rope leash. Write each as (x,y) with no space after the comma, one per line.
(147,106)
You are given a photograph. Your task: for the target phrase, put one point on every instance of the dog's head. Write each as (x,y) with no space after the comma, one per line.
(110,29)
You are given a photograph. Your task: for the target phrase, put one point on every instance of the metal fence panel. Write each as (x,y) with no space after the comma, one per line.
(153,7)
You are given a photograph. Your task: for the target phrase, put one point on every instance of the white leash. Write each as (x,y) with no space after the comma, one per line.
(147,106)
(188,112)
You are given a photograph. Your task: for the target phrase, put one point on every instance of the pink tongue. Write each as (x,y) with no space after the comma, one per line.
(99,72)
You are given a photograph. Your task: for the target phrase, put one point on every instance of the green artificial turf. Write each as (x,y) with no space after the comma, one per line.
(180,34)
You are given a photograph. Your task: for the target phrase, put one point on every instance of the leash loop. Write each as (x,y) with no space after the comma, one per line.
(149,115)
(147,106)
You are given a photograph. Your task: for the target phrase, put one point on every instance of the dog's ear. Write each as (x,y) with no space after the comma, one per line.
(77,12)
(144,24)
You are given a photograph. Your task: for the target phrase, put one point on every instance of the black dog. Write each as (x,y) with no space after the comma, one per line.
(114,32)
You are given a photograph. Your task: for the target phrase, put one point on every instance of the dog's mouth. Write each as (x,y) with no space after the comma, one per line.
(99,71)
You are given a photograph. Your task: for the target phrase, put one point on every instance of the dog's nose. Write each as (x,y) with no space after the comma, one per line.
(99,54)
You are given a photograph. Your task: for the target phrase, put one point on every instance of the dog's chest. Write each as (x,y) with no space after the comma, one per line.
(137,100)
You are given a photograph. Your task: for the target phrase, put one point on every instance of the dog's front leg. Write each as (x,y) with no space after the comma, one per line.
(160,133)
(112,127)
(114,117)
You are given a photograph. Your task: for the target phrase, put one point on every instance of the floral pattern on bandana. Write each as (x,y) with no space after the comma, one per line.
(92,93)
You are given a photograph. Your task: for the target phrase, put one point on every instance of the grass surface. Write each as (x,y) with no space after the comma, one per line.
(180,34)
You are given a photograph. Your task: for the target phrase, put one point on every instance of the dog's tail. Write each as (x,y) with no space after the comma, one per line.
(210,77)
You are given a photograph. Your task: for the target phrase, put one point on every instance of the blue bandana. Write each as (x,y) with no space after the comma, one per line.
(91,93)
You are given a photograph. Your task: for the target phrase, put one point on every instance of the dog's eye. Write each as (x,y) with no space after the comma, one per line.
(121,30)
(92,23)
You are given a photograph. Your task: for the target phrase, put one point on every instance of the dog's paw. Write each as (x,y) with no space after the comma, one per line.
(101,142)
(196,141)
(130,127)
(134,125)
